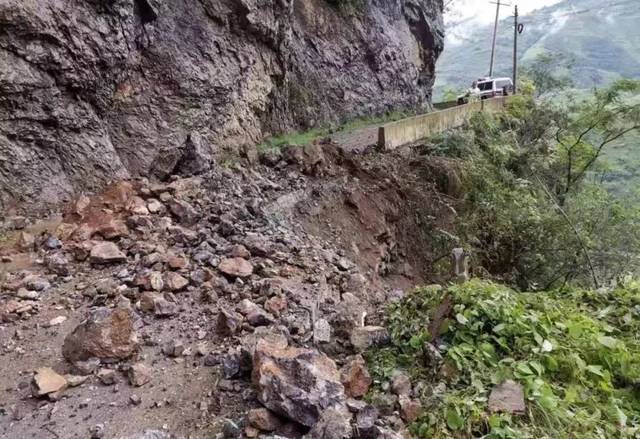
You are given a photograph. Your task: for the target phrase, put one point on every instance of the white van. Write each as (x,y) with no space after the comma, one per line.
(486,88)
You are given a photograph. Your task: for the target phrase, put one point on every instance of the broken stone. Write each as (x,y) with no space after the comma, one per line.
(364,337)
(401,384)
(344,264)
(410,409)
(231,364)
(138,206)
(156,283)
(240,251)
(356,378)
(112,229)
(229,322)
(52,243)
(276,305)
(76,380)
(174,282)
(255,315)
(58,264)
(177,262)
(57,321)
(321,331)
(106,253)
(106,334)
(26,241)
(365,422)
(173,348)
(25,294)
(183,211)
(47,381)
(263,420)
(236,267)
(300,384)
(37,284)
(334,423)
(230,430)
(158,305)
(107,376)
(87,367)
(507,397)
(139,374)
(154,206)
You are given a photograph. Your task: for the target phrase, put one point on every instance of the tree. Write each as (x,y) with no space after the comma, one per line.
(589,126)
(549,73)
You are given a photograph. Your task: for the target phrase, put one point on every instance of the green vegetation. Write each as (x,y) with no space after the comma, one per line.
(533,212)
(303,138)
(537,215)
(575,353)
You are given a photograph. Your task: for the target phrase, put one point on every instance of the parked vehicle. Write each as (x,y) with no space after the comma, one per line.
(486,88)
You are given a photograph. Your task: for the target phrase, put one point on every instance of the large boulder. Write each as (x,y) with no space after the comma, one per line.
(107,334)
(300,384)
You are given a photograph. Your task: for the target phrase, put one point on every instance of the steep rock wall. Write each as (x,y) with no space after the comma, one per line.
(94,90)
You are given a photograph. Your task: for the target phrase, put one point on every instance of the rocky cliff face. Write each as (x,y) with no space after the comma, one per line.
(93,90)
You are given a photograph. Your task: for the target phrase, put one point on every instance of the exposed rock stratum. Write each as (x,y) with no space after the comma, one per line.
(98,90)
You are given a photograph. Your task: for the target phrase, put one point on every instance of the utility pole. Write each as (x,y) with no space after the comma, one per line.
(495,35)
(516,31)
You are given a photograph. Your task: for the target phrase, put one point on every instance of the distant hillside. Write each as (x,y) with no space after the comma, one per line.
(602,37)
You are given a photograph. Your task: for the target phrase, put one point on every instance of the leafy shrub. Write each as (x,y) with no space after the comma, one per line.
(576,355)
(530,210)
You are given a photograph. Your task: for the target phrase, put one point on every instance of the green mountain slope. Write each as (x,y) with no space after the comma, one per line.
(601,37)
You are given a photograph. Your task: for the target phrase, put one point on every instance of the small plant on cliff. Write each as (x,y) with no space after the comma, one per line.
(348,5)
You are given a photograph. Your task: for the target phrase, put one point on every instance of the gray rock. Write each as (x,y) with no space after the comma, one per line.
(507,397)
(106,334)
(58,264)
(106,253)
(335,423)
(400,383)
(231,430)
(300,384)
(107,123)
(321,331)
(365,422)
(364,337)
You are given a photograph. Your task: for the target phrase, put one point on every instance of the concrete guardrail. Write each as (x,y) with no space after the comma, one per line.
(408,131)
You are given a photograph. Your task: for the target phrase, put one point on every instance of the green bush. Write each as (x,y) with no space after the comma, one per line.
(533,214)
(575,353)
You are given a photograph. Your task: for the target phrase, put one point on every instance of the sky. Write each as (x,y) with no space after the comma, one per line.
(470,13)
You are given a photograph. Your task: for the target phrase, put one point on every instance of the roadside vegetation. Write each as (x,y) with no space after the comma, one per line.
(575,353)
(303,138)
(555,303)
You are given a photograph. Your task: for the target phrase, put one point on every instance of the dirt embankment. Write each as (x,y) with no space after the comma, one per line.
(180,305)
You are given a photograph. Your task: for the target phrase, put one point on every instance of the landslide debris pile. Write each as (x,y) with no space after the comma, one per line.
(193,308)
